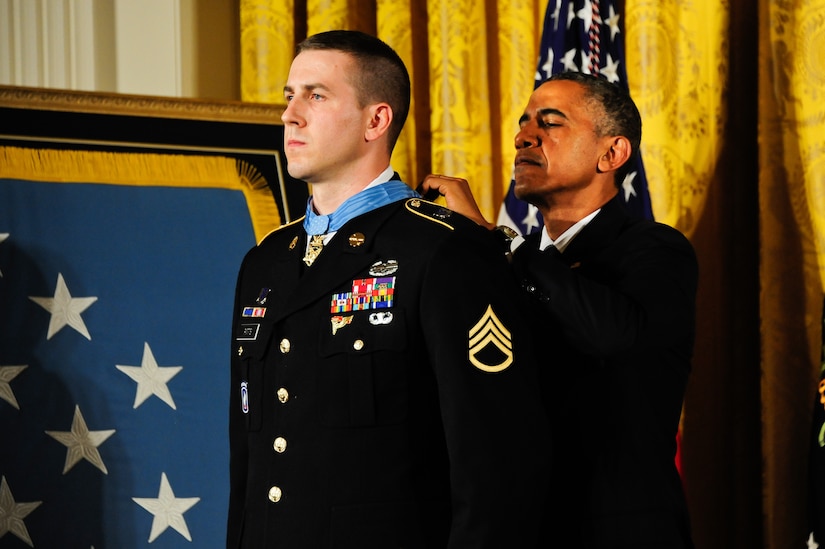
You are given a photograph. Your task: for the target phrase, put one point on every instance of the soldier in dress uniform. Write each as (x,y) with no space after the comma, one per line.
(383,384)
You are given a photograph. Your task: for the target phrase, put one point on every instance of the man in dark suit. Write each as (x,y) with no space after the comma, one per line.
(614,300)
(383,385)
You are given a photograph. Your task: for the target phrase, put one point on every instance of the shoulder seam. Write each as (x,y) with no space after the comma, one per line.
(284,226)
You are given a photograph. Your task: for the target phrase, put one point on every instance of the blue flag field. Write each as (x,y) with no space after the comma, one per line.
(115,311)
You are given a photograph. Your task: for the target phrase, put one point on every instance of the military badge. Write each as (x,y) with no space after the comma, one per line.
(262,295)
(356,239)
(366,294)
(244,397)
(384,268)
(339,322)
(490,338)
(314,248)
(253,312)
(380,318)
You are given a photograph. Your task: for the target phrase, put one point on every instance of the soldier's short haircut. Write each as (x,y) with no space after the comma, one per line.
(381,75)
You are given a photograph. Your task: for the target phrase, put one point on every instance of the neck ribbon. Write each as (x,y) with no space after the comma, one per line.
(363,202)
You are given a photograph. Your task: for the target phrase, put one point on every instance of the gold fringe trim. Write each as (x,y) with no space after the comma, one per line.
(151,170)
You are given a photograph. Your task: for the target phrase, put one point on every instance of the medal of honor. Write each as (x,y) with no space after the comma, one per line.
(316,244)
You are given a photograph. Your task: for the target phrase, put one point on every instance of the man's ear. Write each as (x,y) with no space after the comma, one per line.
(618,153)
(380,118)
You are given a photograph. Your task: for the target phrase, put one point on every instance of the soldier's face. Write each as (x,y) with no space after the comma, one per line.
(324,123)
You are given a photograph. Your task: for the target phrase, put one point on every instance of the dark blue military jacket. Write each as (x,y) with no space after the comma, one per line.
(385,396)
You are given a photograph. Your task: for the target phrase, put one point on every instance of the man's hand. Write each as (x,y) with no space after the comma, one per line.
(457,195)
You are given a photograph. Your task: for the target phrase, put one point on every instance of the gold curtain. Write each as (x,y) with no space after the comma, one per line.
(754,205)
(267,44)
(792,234)
(677,70)
(395,24)
(471,64)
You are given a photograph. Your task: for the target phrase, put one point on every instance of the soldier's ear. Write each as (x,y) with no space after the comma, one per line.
(378,123)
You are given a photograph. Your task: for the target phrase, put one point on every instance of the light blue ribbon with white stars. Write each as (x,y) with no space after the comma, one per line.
(363,202)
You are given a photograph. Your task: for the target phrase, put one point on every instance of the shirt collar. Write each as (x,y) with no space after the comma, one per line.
(567,236)
(368,198)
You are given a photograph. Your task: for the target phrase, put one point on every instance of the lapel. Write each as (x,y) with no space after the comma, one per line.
(600,233)
(347,255)
(525,252)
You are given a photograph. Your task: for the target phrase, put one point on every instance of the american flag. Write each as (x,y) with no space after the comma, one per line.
(585,36)
(115,310)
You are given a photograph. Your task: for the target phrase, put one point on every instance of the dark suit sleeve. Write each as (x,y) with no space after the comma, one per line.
(638,292)
(495,428)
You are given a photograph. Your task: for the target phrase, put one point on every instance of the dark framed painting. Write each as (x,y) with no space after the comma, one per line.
(250,133)
(123,222)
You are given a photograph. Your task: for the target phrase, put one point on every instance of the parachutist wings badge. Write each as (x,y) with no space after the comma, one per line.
(491,345)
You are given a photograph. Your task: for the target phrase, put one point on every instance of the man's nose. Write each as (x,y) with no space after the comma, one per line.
(526,138)
(292,114)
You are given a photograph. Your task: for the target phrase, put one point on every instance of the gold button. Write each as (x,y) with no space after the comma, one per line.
(279,445)
(274,494)
(285,345)
(283,395)
(358,345)
(356,239)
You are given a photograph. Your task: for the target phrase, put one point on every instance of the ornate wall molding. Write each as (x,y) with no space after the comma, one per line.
(138,105)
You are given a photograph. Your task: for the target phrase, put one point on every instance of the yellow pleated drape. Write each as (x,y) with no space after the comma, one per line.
(481,70)
(459,94)
(395,27)
(472,65)
(799,62)
(324,15)
(520,26)
(792,242)
(677,72)
(267,45)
